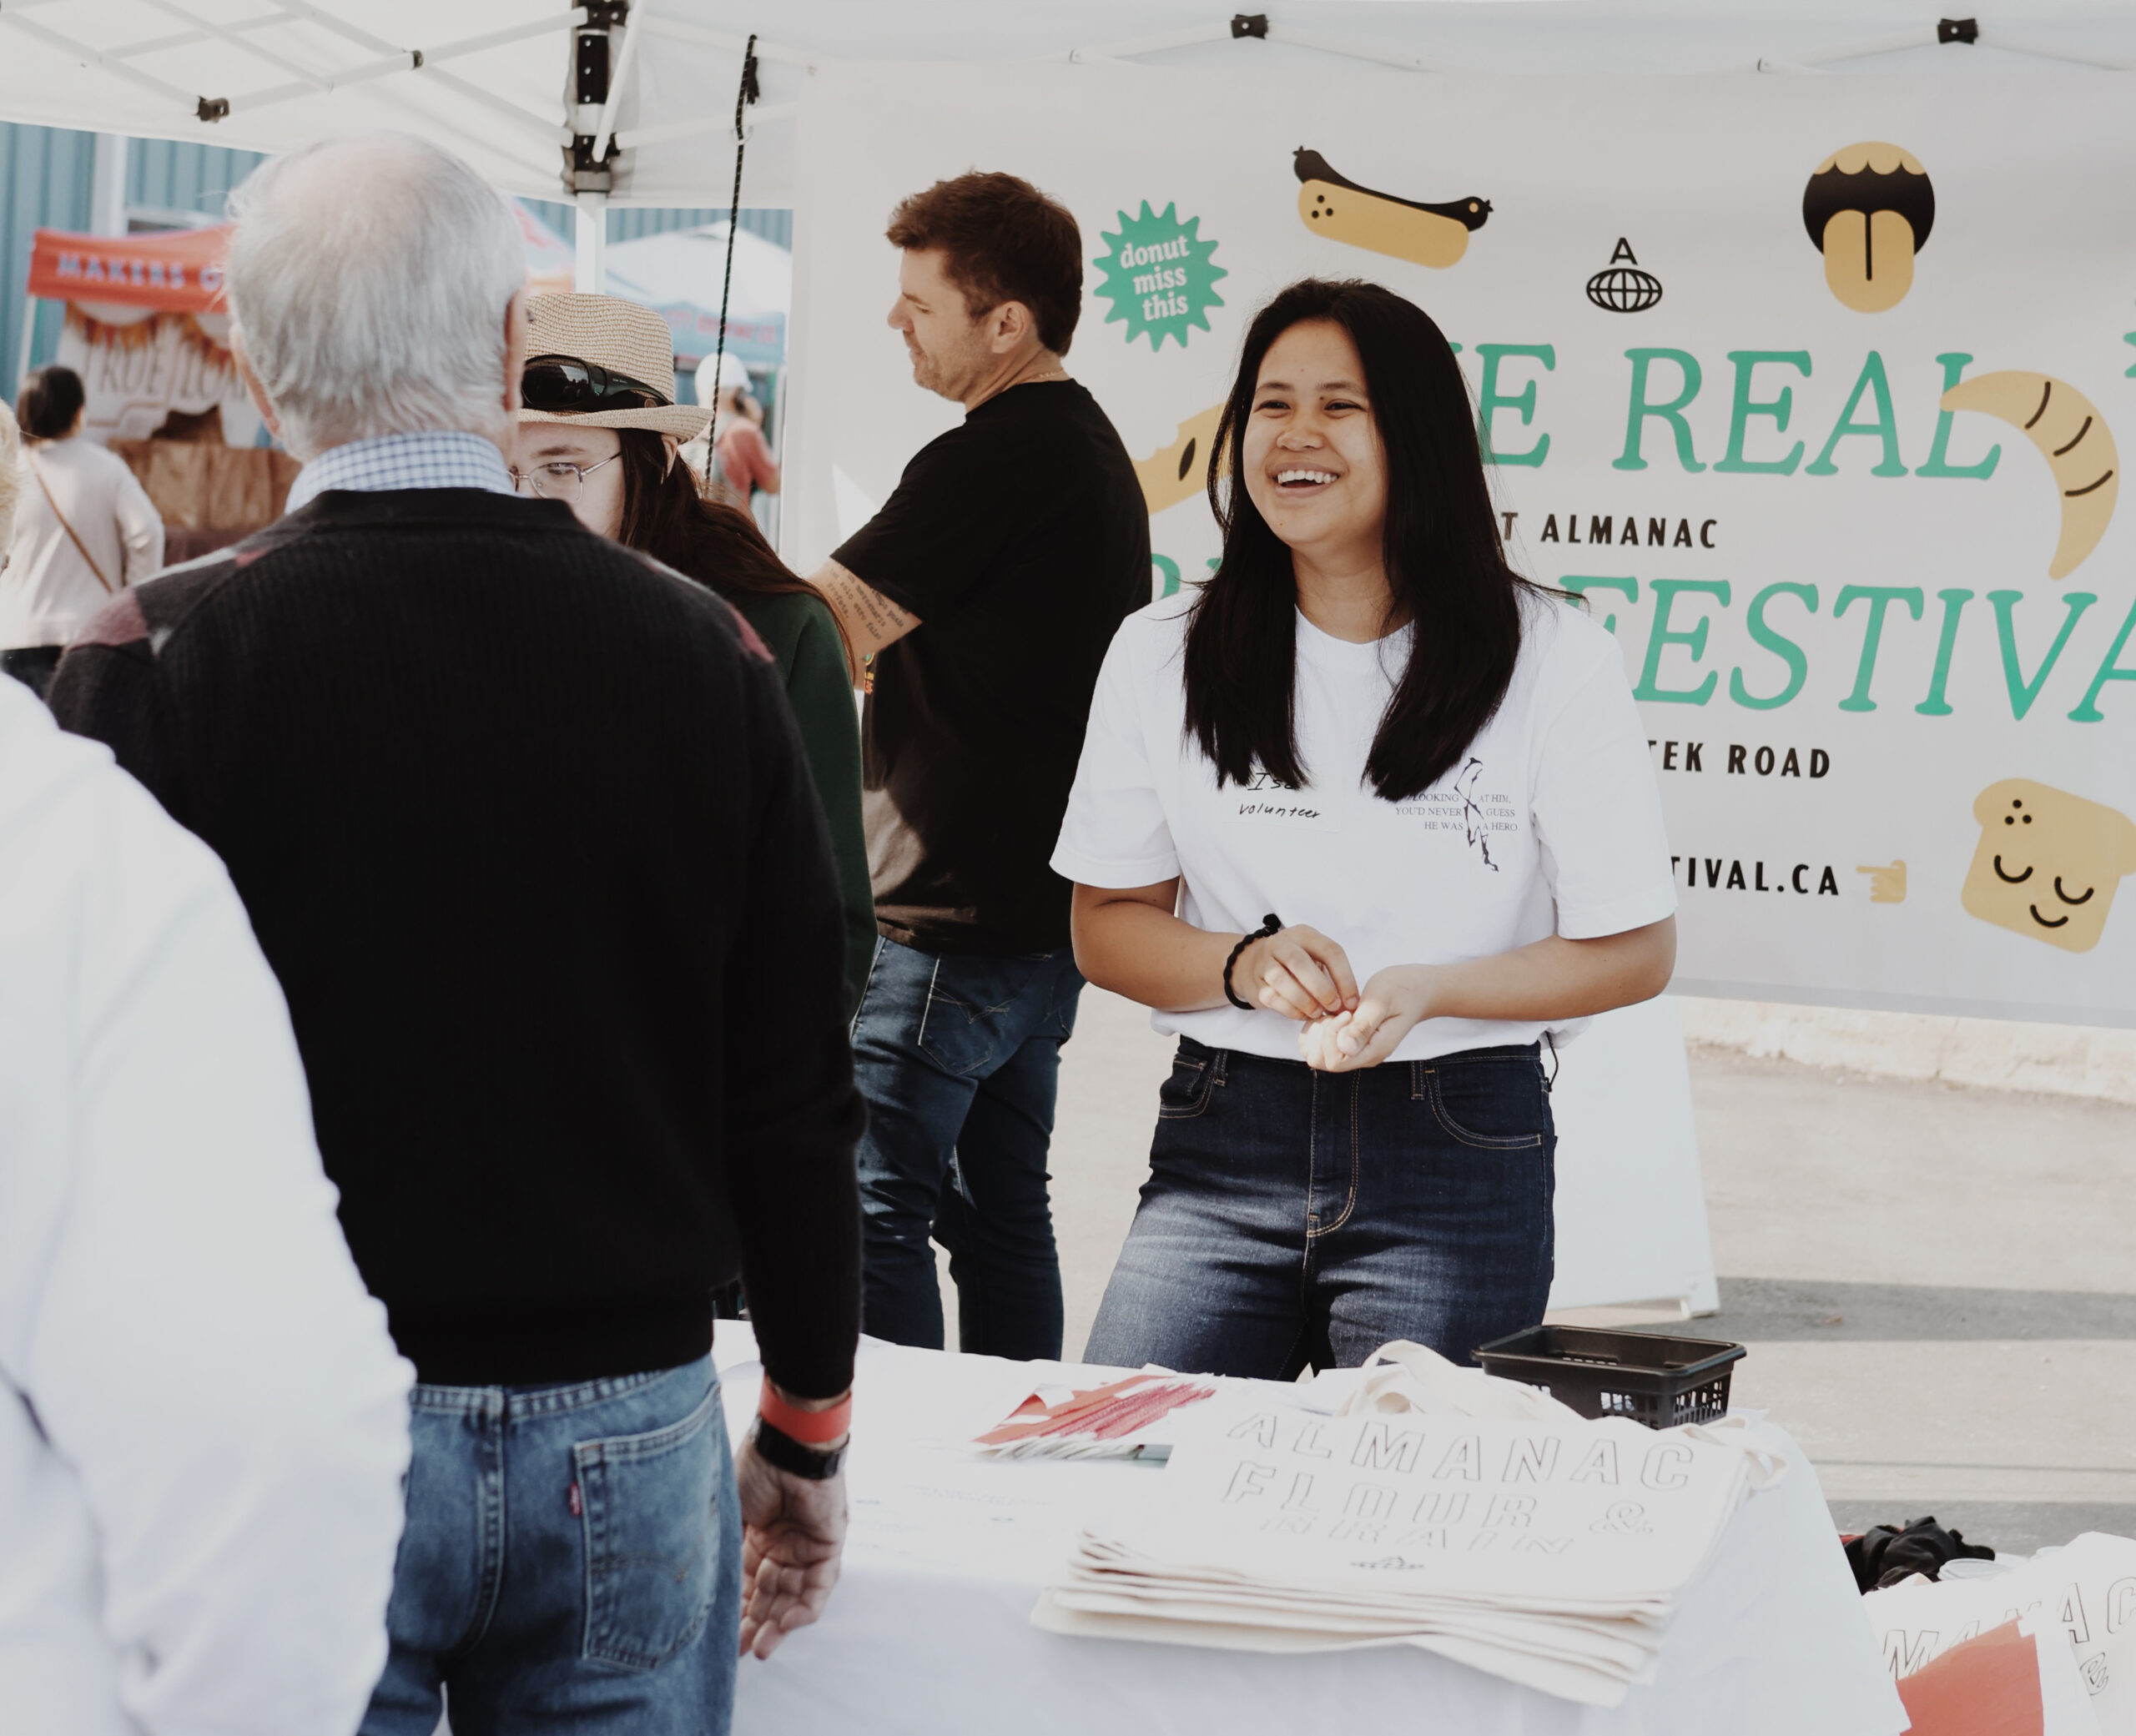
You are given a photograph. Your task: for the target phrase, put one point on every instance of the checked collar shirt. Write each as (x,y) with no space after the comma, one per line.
(430,459)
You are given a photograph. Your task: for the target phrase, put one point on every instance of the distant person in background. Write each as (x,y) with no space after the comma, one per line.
(84,530)
(202,1424)
(742,457)
(986,591)
(608,451)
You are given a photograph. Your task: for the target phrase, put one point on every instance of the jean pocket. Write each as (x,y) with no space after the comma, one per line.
(975,1006)
(650,1510)
(1494,1105)
(1185,1090)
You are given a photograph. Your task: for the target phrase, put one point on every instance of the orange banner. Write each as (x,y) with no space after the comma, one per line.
(176,271)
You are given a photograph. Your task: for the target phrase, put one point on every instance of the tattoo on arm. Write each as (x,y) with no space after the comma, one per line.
(870,619)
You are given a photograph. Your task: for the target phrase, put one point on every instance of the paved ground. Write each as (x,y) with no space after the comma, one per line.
(1937,1283)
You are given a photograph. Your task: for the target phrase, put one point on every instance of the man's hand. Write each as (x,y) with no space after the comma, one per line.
(792,1531)
(1393,1004)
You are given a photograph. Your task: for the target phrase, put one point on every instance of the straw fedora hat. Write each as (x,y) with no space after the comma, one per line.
(623,338)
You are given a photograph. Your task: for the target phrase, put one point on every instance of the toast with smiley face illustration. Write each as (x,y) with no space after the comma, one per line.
(1404,229)
(2048,862)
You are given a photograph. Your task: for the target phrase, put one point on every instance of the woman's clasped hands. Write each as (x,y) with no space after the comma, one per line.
(1299,973)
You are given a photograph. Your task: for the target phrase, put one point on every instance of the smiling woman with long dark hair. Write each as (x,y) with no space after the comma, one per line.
(1366,722)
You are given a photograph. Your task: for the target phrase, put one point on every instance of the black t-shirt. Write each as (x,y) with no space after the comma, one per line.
(1021,541)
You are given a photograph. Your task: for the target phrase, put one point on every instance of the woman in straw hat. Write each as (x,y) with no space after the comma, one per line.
(600,430)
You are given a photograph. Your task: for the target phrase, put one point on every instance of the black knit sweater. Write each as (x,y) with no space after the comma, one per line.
(523,825)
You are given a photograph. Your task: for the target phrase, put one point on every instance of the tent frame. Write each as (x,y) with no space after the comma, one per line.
(607,44)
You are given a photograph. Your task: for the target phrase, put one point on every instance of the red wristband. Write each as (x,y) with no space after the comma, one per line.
(812,1428)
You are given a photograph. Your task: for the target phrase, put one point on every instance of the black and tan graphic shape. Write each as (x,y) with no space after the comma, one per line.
(1404,229)
(1181,468)
(2048,862)
(2073,438)
(1869,207)
(1620,287)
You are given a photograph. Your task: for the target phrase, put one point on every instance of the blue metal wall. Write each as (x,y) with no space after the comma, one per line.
(46,176)
(628,223)
(182,182)
(46,179)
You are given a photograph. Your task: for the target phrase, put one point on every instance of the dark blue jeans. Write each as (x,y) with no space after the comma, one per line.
(960,1060)
(1295,1217)
(572,1560)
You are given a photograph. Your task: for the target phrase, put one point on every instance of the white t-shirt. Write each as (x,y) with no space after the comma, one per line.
(1550,824)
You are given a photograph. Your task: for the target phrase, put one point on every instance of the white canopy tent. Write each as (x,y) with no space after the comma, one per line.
(632,101)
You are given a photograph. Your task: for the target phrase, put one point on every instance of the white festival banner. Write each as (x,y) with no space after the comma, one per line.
(1812,387)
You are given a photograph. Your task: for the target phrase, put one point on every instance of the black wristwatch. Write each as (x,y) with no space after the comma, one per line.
(775,1447)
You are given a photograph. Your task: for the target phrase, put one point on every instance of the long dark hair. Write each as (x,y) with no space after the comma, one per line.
(1445,564)
(718,546)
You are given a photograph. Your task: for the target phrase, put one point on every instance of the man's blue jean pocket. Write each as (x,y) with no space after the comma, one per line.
(980,1011)
(651,1514)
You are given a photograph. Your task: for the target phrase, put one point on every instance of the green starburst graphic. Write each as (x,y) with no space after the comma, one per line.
(1159,277)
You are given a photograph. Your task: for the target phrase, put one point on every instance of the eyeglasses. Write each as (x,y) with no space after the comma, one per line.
(559,383)
(558,479)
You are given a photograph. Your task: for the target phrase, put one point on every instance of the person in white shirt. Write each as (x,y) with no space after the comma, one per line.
(203,1425)
(1434,771)
(84,530)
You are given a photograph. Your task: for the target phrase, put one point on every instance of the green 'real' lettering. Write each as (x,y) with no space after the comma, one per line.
(1954,364)
(1885,428)
(1745,406)
(1672,412)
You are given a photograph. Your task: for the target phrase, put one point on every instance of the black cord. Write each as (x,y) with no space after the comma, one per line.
(747,94)
(1271,924)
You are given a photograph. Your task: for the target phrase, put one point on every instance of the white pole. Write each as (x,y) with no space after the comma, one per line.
(29,341)
(590,270)
(107,186)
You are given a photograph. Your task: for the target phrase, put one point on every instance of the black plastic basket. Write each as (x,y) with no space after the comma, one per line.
(1656,1381)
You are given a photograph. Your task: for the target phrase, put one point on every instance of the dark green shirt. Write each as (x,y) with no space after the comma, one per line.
(805,641)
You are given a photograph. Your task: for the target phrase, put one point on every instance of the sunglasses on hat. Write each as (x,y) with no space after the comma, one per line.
(563,383)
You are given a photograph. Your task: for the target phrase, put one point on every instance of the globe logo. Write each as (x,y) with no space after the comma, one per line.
(1621,287)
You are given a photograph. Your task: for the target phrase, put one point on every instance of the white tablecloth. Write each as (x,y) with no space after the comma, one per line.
(929,1631)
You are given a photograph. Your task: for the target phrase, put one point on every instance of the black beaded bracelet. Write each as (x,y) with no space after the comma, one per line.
(1271,924)
(775,1447)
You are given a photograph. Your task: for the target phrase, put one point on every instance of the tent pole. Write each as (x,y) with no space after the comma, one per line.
(590,270)
(107,186)
(29,341)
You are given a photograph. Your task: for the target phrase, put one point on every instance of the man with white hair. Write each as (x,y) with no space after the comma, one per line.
(569,989)
(202,1424)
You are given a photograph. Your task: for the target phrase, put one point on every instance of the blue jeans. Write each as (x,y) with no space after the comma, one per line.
(1295,1217)
(571,1561)
(960,1060)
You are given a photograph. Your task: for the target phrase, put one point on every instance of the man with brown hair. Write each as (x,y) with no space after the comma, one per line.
(985,591)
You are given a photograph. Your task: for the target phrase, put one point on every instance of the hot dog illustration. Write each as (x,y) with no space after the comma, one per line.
(2072,436)
(1869,207)
(1405,228)
(1181,468)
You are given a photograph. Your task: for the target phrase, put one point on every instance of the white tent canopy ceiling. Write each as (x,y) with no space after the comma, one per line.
(633,103)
